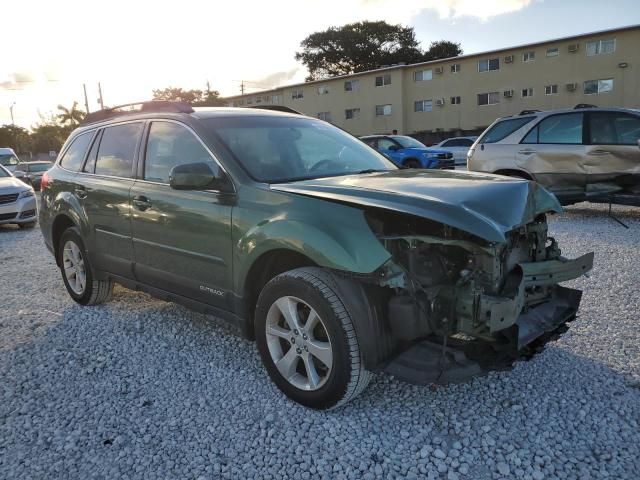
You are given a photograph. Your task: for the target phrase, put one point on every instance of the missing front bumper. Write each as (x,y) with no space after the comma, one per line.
(427,362)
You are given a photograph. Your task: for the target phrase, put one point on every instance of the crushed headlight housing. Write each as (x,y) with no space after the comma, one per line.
(26,194)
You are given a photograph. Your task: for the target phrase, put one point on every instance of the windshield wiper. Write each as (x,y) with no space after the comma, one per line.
(372,170)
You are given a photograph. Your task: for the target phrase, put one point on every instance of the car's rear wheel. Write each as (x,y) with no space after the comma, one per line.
(76,271)
(412,163)
(307,340)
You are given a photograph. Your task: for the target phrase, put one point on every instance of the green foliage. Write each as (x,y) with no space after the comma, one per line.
(14,137)
(361,46)
(197,98)
(70,116)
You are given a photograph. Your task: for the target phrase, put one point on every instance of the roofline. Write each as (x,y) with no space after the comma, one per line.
(441,60)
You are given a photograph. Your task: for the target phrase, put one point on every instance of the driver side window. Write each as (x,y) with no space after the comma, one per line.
(386,144)
(168,145)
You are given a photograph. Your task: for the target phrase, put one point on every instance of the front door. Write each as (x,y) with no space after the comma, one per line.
(391,149)
(181,239)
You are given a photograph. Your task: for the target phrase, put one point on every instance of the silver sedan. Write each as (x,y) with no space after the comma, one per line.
(17,201)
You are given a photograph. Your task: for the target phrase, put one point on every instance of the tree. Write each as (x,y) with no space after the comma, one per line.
(357,47)
(361,46)
(70,116)
(442,49)
(14,137)
(197,98)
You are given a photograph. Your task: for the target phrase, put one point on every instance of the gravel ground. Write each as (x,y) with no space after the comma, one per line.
(139,388)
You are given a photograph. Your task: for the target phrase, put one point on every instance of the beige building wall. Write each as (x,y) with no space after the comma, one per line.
(568,70)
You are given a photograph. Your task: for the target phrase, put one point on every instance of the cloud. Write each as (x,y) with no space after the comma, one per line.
(482,9)
(17,81)
(276,79)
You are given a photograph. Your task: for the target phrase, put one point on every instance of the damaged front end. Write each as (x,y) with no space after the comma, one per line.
(462,305)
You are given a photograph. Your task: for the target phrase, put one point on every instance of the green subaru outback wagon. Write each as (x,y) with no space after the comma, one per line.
(305,239)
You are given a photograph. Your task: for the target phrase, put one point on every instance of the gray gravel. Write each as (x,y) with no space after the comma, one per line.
(139,388)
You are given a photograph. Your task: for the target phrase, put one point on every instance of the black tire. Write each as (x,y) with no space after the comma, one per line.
(347,377)
(27,225)
(412,163)
(94,291)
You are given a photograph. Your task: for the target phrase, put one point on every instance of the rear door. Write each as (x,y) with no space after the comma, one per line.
(613,151)
(103,187)
(554,152)
(181,238)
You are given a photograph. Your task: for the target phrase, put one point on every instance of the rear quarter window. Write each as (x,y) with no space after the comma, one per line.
(74,156)
(503,129)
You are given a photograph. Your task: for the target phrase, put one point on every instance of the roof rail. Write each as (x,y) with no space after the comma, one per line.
(585,105)
(528,112)
(277,108)
(152,106)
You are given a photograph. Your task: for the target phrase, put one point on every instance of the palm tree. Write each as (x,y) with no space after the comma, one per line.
(71,116)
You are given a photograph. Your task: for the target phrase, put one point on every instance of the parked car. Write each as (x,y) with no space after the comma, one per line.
(409,152)
(459,146)
(579,154)
(17,201)
(337,262)
(32,172)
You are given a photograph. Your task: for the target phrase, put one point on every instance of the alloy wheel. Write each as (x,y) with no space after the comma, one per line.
(74,269)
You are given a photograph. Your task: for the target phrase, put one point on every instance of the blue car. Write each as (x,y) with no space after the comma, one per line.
(410,153)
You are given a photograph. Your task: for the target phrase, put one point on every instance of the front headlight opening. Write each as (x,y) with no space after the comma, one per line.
(26,194)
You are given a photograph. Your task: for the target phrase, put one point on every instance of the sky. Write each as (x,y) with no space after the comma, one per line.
(51,48)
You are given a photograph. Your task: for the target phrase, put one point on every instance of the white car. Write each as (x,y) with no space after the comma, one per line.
(459,146)
(17,201)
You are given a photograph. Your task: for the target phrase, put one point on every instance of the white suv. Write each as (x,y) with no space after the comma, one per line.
(579,154)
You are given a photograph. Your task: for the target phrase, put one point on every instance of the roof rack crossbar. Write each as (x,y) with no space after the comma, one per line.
(129,108)
(584,105)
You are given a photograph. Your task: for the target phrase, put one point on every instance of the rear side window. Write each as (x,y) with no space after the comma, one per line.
(504,128)
(73,157)
(613,128)
(90,164)
(169,145)
(117,150)
(557,129)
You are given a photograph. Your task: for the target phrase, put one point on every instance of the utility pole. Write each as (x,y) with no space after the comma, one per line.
(86,100)
(11,111)
(242,87)
(100,99)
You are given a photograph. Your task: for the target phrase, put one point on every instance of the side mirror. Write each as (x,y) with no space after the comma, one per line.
(394,148)
(199,176)
(639,143)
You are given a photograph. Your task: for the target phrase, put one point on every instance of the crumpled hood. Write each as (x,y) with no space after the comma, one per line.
(484,205)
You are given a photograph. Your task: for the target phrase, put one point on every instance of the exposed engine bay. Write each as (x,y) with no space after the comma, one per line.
(460,293)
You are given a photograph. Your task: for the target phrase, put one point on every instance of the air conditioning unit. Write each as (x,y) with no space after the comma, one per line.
(439,70)
(572,87)
(508,93)
(573,48)
(508,59)
(440,102)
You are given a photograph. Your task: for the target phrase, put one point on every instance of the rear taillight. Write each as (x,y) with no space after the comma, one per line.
(44,181)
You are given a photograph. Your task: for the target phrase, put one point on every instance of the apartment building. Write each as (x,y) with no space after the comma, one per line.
(463,95)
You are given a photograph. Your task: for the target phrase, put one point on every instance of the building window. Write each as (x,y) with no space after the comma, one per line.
(592,87)
(455,101)
(351,85)
(488,64)
(455,68)
(383,110)
(601,47)
(550,89)
(295,94)
(326,116)
(527,92)
(529,56)
(351,113)
(275,99)
(323,90)
(490,98)
(423,106)
(553,52)
(383,80)
(422,75)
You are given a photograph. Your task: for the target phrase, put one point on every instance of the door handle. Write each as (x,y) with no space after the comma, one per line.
(526,151)
(141,202)
(81,192)
(598,152)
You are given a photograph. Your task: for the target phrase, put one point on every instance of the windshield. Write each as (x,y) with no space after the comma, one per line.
(4,173)
(8,160)
(408,142)
(39,167)
(280,149)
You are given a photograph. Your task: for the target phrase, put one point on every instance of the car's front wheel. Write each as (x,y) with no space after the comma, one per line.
(412,163)
(307,339)
(76,271)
